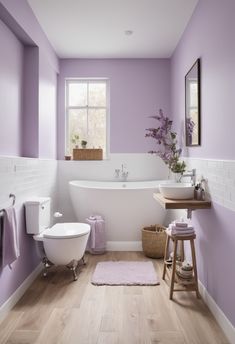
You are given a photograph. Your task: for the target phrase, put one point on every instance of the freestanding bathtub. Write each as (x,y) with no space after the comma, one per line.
(125,206)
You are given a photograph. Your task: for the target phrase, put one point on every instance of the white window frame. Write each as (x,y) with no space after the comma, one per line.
(107,107)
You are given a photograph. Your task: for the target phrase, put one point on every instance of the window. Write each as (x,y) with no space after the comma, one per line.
(87,113)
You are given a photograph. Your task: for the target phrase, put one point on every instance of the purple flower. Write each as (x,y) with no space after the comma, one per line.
(167,142)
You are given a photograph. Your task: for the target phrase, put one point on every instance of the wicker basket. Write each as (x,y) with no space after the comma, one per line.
(87,154)
(153,241)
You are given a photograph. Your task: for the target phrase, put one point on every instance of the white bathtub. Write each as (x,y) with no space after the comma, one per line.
(125,206)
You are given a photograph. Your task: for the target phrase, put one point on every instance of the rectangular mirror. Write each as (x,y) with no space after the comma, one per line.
(192,105)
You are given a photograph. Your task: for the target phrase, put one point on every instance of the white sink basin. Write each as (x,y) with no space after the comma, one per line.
(177,190)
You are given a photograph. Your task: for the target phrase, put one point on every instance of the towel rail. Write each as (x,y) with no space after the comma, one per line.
(13,203)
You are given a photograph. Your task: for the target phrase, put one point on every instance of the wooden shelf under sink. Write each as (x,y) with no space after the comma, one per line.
(181,204)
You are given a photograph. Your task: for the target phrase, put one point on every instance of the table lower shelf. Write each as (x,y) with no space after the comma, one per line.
(182,284)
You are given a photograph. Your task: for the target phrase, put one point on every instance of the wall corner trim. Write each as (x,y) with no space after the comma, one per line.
(19,292)
(220,317)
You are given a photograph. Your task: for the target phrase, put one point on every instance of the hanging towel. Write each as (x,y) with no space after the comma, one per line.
(10,241)
(97,241)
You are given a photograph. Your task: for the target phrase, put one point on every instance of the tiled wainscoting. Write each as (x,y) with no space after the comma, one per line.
(139,166)
(26,178)
(220,179)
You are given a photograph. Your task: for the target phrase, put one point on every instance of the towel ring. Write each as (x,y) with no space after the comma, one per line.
(14,198)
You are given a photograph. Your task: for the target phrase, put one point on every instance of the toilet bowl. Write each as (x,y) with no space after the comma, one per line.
(64,243)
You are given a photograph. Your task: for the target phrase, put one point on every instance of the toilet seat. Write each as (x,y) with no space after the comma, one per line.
(64,231)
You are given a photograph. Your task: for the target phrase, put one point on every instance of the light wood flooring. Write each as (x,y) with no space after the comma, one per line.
(57,310)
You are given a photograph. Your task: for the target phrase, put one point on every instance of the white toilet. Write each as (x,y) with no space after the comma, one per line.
(64,243)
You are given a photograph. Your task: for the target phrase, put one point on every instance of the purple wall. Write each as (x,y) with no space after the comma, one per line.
(11,279)
(34,85)
(24,17)
(38,92)
(138,88)
(210,36)
(30,103)
(47,110)
(11,81)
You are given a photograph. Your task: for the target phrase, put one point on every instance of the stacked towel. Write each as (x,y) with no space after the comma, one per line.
(181,228)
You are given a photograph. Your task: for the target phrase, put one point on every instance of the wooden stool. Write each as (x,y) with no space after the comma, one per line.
(191,285)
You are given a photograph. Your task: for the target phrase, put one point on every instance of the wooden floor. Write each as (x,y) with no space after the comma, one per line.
(57,310)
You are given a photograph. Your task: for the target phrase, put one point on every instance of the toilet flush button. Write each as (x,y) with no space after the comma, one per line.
(57,214)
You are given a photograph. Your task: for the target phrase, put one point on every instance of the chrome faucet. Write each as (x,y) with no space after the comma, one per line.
(124,172)
(117,173)
(191,174)
(121,173)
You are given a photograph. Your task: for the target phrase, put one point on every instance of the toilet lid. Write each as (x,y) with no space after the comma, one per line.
(67,230)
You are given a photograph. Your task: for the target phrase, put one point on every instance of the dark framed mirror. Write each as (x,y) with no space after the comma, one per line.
(192,105)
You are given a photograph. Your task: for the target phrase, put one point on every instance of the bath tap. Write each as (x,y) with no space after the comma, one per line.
(117,173)
(121,173)
(191,174)
(125,173)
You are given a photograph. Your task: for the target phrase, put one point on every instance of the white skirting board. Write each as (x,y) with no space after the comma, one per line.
(124,246)
(19,292)
(221,318)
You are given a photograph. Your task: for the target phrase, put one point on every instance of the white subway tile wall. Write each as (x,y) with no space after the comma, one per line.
(220,179)
(142,166)
(27,178)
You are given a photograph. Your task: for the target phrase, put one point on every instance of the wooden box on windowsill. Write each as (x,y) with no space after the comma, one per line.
(87,154)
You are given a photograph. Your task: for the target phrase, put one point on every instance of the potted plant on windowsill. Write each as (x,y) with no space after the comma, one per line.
(83,143)
(75,140)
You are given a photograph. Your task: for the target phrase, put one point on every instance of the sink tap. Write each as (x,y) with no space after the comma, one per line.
(191,174)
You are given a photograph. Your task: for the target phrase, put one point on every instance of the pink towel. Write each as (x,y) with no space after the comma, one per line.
(96,242)
(10,241)
(181,224)
(183,233)
(182,229)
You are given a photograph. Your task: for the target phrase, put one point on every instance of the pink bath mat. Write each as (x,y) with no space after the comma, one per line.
(125,273)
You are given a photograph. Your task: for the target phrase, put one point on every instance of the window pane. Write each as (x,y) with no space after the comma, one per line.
(97,128)
(77,94)
(97,94)
(77,123)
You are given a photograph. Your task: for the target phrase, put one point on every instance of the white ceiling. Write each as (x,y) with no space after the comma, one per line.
(95,28)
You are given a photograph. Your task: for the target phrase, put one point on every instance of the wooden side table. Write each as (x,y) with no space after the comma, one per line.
(170,266)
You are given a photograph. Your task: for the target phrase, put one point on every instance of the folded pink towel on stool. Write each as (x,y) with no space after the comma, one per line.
(182,229)
(181,224)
